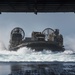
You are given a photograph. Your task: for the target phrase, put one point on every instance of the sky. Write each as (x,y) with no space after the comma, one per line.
(65,22)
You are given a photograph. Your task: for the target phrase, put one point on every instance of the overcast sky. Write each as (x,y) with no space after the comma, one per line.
(65,22)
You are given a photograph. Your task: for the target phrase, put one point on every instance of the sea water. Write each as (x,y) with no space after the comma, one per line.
(26,60)
(26,54)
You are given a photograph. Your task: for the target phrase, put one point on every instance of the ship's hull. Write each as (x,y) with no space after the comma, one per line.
(40,45)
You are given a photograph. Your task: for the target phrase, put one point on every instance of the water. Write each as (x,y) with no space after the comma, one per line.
(39,68)
(25,60)
(25,54)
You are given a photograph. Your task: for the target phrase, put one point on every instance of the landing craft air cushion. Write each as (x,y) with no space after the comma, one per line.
(48,39)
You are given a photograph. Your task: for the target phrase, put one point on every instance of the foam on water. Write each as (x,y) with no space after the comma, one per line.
(25,54)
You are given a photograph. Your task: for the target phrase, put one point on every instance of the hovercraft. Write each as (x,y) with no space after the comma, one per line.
(48,39)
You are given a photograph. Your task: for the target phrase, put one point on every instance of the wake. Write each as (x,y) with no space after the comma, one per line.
(25,54)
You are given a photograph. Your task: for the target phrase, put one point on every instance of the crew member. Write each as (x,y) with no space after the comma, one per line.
(51,37)
(56,37)
(56,31)
(60,40)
